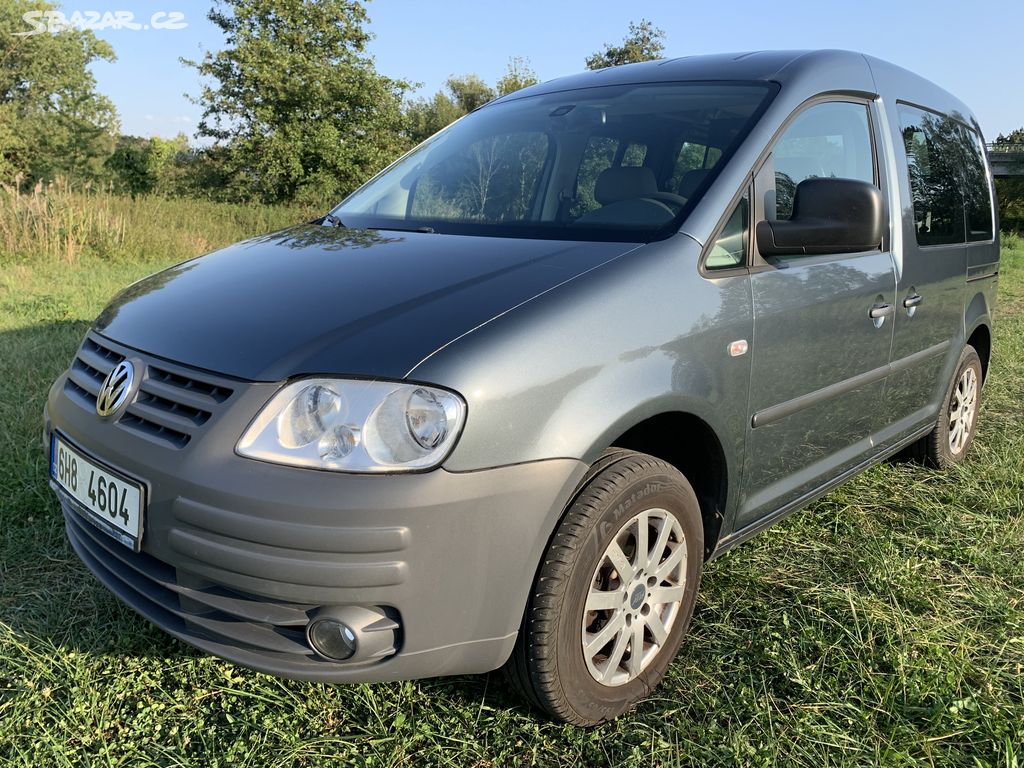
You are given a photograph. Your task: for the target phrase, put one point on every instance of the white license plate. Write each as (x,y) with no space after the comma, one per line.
(108,499)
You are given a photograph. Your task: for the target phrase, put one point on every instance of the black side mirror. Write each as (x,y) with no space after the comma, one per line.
(829,216)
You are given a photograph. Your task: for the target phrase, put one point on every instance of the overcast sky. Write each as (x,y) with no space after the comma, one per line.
(973,49)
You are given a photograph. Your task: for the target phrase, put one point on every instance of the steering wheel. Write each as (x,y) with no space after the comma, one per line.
(673,200)
(634,211)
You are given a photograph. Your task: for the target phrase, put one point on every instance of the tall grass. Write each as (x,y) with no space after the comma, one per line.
(55,224)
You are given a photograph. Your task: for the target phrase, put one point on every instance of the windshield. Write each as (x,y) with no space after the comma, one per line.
(623,163)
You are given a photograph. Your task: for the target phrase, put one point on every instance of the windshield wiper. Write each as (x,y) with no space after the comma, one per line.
(428,230)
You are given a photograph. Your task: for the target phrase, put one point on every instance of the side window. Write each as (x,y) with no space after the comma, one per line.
(598,156)
(941,161)
(730,247)
(830,140)
(493,179)
(977,191)
(634,154)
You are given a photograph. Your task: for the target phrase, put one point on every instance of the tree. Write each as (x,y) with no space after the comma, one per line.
(198,172)
(141,166)
(425,117)
(295,101)
(519,75)
(645,42)
(52,120)
(469,92)
(1015,136)
(460,96)
(1010,189)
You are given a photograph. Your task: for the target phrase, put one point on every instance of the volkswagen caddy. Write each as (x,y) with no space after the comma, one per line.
(499,406)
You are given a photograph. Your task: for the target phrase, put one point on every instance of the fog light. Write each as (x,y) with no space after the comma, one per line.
(332,638)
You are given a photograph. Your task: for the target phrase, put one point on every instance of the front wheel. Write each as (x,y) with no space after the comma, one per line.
(614,593)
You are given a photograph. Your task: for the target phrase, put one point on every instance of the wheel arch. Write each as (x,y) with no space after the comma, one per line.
(692,445)
(980,337)
(978,324)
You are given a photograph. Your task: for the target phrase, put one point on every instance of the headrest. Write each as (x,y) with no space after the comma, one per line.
(691,180)
(623,183)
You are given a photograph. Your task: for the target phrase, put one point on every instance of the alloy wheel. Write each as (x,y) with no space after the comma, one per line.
(962,407)
(634,597)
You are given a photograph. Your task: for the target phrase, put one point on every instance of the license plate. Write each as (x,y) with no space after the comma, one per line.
(107,499)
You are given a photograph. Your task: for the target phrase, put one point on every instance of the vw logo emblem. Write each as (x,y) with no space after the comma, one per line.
(116,388)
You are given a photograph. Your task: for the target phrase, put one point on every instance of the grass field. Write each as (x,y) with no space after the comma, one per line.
(882,626)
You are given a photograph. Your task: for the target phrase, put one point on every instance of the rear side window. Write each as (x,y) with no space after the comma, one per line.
(830,140)
(948,182)
(635,154)
(977,192)
(598,156)
(691,166)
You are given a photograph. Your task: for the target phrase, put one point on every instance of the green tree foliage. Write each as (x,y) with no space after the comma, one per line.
(460,96)
(425,117)
(519,75)
(469,92)
(1015,136)
(645,42)
(295,101)
(1010,190)
(141,166)
(52,121)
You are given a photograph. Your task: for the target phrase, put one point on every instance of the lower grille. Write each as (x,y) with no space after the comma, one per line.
(195,610)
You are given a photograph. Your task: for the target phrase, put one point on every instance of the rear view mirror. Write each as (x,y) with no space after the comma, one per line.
(829,216)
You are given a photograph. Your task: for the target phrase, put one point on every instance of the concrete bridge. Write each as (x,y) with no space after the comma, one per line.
(1006,159)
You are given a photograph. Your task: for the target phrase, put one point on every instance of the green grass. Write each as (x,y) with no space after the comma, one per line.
(882,626)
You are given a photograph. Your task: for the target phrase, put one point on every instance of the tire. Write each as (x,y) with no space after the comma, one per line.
(549,664)
(937,449)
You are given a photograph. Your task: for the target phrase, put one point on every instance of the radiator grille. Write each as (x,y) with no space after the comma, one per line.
(170,405)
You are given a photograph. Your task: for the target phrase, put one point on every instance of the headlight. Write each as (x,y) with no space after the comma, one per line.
(356,426)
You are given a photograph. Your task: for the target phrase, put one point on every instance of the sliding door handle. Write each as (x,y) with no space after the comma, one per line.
(912,300)
(880,311)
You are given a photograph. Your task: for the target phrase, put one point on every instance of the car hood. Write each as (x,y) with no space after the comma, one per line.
(316,299)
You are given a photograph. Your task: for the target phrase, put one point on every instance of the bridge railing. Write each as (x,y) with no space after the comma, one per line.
(1005,148)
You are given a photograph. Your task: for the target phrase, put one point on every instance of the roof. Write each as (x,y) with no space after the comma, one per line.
(806,70)
(753,65)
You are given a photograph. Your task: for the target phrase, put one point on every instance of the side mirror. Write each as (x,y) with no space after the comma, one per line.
(829,216)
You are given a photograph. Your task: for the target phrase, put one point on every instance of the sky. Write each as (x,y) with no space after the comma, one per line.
(972,49)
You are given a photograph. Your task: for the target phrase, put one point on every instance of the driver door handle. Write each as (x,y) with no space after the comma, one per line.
(912,300)
(881,310)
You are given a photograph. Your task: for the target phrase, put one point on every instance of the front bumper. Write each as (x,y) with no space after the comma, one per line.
(238,555)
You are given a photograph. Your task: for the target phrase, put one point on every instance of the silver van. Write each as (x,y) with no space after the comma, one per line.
(501,404)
